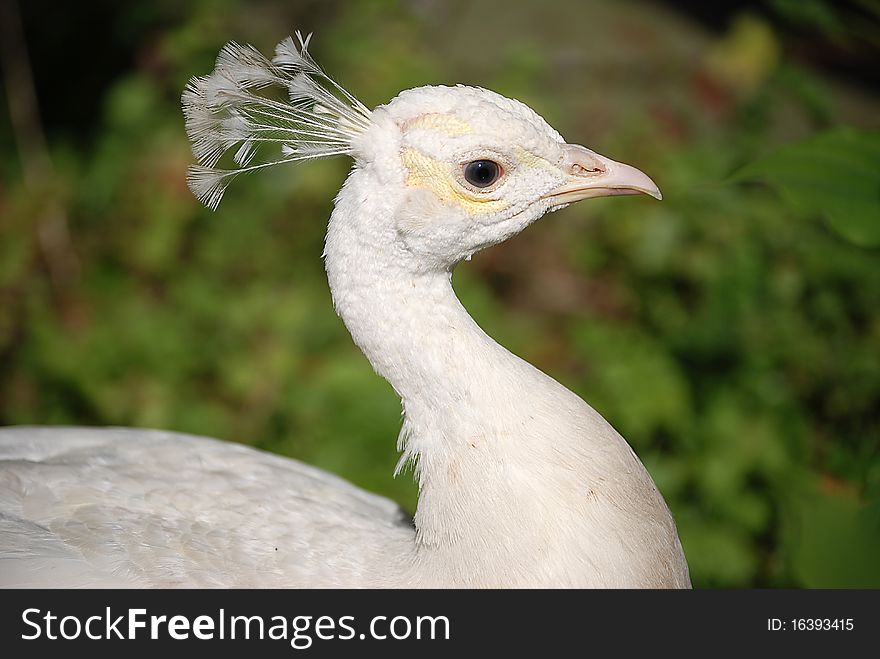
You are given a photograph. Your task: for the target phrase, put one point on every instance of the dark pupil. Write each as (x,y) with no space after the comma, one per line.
(481,173)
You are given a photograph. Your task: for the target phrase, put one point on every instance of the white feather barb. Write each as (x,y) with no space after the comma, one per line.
(233,111)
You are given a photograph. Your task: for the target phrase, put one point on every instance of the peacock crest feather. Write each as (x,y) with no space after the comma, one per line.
(237,109)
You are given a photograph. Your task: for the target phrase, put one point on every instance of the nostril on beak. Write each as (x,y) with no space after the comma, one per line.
(578,169)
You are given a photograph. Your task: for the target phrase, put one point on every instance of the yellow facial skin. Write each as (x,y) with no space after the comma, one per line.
(438,177)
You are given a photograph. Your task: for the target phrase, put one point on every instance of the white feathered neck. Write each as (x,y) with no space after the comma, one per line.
(506,458)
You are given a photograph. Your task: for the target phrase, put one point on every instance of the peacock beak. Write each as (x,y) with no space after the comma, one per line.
(591,175)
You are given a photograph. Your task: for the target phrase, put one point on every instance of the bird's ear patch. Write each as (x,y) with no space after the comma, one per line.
(420,207)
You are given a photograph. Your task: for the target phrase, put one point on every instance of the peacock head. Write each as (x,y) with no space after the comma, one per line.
(473,168)
(462,168)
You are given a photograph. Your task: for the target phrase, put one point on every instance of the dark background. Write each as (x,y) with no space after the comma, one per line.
(514,622)
(731,332)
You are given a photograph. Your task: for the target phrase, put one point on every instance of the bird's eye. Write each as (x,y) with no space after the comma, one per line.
(482,173)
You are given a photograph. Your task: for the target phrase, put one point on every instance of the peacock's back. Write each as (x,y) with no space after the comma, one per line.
(89,507)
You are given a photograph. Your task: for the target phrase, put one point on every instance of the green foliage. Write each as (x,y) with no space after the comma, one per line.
(836,174)
(726,332)
(832,541)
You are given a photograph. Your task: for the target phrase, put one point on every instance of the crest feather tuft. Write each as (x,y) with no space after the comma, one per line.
(233,111)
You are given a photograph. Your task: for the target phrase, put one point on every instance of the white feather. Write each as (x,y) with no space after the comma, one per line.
(116,507)
(232,111)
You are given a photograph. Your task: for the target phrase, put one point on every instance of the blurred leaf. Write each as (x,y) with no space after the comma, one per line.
(633,379)
(746,56)
(836,173)
(833,540)
(719,554)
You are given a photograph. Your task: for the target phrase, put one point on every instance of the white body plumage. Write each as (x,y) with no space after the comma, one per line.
(522,484)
